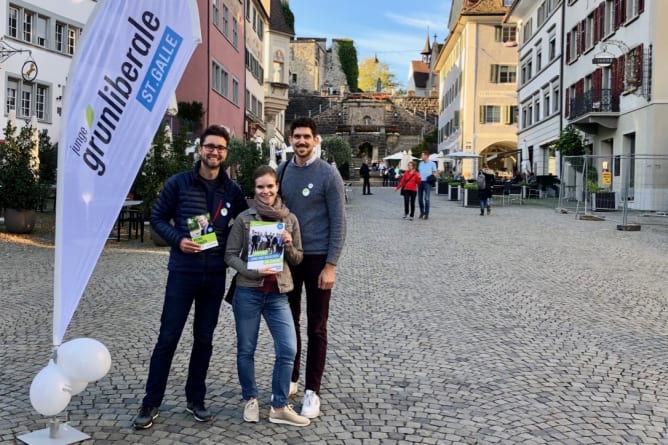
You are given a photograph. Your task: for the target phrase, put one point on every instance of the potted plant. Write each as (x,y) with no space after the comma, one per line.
(453,190)
(19,185)
(601,199)
(470,195)
(442,185)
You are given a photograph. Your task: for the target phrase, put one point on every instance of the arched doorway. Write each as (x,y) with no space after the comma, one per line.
(365,151)
(503,157)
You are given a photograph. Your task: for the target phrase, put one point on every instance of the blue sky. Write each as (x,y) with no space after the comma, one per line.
(395,30)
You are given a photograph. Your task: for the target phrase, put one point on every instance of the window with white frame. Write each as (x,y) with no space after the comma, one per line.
(219,78)
(555,99)
(28,20)
(28,99)
(226,21)
(552,47)
(539,60)
(41,31)
(235,91)
(527,30)
(529,121)
(235,33)
(490,114)
(632,9)
(13,22)
(536,109)
(505,33)
(11,94)
(510,114)
(609,19)
(589,31)
(214,11)
(541,15)
(503,74)
(546,104)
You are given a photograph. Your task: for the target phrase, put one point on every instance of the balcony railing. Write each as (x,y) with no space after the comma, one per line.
(594,101)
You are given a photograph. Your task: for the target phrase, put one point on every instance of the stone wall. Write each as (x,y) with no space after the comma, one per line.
(308,62)
(418,104)
(334,77)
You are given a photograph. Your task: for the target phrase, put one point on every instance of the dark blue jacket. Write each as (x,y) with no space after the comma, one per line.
(184,196)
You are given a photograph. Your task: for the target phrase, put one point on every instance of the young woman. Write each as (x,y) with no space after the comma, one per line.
(409,182)
(263,293)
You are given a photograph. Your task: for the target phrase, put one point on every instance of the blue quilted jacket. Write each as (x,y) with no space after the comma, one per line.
(184,196)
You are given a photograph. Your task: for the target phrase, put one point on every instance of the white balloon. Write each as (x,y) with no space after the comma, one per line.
(47,392)
(76,386)
(84,359)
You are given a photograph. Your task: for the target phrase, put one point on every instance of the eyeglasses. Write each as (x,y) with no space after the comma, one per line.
(212,147)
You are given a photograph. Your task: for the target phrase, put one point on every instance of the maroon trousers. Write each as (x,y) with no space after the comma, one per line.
(317,312)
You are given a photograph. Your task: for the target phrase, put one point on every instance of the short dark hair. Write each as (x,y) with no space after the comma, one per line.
(304,122)
(425,152)
(215,130)
(264,170)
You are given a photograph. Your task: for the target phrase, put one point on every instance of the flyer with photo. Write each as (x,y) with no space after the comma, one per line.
(265,245)
(202,231)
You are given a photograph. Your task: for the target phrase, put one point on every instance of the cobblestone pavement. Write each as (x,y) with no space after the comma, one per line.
(527,326)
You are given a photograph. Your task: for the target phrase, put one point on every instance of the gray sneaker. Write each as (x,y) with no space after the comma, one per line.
(287,416)
(145,417)
(252,410)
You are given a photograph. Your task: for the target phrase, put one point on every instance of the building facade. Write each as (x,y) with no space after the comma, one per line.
(215,76)
(612,63)
(38,42)
(276,78)
(477,88)
(538,28)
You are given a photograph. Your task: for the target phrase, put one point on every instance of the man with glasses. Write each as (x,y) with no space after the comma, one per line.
(195,275)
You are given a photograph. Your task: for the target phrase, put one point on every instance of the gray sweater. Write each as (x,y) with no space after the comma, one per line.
(314,193)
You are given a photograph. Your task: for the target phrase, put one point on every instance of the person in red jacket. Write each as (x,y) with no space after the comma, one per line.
(409,185)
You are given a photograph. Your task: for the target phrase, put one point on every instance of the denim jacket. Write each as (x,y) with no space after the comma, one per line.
(236,252)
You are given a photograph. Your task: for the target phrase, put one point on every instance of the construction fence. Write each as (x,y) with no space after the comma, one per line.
(631,189)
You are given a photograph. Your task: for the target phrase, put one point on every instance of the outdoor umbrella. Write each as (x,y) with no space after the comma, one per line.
(461,155)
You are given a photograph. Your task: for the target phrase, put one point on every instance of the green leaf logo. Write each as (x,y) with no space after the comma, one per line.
(90,116)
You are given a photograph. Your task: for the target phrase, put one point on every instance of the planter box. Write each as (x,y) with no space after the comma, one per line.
(442,188)
(603,201)
(471,198)
(453,193)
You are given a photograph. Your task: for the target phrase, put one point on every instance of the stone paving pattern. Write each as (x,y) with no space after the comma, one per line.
(524,327)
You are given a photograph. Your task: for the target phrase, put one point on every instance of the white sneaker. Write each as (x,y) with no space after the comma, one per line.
(293,389)
(287,416)
(252,410)
(310,404)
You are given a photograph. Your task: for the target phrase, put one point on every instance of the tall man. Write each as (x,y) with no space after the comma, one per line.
(313,190)
(195,275)
(425,169)
(365,173)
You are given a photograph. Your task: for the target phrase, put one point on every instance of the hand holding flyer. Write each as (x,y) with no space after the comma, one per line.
(265,245)
(202,232)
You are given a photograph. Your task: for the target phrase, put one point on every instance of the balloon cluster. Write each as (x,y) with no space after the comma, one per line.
(78,362)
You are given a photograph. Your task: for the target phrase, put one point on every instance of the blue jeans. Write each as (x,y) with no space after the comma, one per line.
(207,291)
(248,305)
(424,193)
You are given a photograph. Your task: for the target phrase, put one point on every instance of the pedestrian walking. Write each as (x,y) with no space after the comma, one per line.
(408,184)
(485,181)
(427,170)
(313,191)
(195,275)
(262,293)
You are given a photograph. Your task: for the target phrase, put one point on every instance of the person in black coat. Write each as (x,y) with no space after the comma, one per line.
(365,173)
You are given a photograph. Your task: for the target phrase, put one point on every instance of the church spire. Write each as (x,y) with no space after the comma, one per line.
(426,51)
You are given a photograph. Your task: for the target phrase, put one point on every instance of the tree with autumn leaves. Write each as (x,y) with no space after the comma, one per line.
(370,70)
